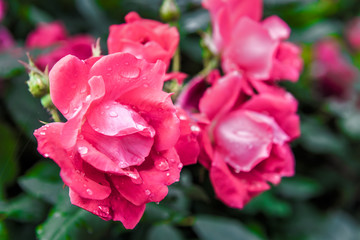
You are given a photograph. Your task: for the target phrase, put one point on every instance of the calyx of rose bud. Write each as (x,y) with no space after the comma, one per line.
(38,80)
(169,11)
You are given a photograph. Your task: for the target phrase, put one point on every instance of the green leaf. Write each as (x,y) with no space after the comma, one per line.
(299,188)
(318,138)
(164,232)
(338,225)
(215,228)
(23,208)
(9,65)
(42,181)
(268,204)
(70,222)
(4,235)
(8,170)
(24,108)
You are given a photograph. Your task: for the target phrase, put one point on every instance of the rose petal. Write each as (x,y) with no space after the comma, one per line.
(122,72)
(49,140)
(233,189)
(243,140)
(157,172)
(69,85)
(158,110)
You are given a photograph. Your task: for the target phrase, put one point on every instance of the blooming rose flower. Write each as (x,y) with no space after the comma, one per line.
(54,35)
(256,49)
(335,76)
(245,145)
(117,149)
(144,38)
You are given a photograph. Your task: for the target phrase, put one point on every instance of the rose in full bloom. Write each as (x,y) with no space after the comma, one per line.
(245,145)
(54,36)
(144,38)
(256,49)
(335,76)
(117,149)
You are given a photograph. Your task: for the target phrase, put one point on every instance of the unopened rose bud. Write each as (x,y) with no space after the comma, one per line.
(38,80)
(169,11)
(47,102)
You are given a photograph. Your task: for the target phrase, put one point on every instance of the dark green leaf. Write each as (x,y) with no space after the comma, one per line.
(70,222)
(215,228)
(299,188)
(164,232)
(8,161)
(23,209)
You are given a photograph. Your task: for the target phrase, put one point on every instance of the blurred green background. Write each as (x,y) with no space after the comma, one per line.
(322,201)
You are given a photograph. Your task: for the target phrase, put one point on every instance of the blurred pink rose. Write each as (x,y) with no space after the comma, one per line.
(256,49)
(117,149)
(335,76)
(53,35)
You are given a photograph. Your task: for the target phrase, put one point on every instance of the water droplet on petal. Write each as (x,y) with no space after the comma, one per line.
(180,165)
(89,191)
(83,150)
(147,192)
(88,97)
(161,165)
(46,155)
(130,72)
(195,128)
(66,111)
(42,133)
(113,114)
(168,174)
(237,170)
(104,211)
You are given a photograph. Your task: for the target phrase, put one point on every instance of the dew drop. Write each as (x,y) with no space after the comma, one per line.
(195,128)
(104,211)
(42,133)
(113,114)
(237,170)
(168,174)
(147,192)
(161,165)
(88,97)
(130,72)
(46,155)
(182,117)
(66,111)
(180,165)
(83,150)
(89,191)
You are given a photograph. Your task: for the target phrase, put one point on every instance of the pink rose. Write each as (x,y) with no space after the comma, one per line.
(46,34)
(54,35)
(117,149)
(335,76)
(246,143)
(144,38)
(256,49)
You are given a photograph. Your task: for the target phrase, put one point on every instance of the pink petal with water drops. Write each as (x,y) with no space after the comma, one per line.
(242,140)
(114,119)
(69,85)
(122,72)
(157,172)
(157,108)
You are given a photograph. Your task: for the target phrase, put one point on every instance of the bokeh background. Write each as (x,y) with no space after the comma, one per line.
(322,201)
